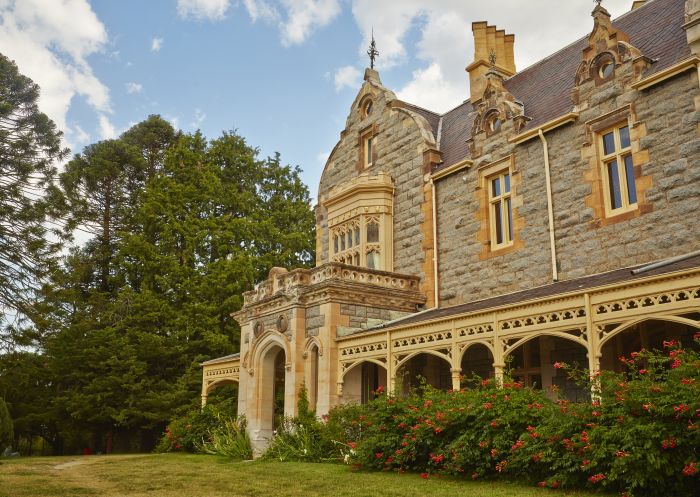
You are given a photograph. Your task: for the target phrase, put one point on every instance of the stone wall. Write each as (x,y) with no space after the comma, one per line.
(664,120)
(314,320)
(360,317)
(399,145)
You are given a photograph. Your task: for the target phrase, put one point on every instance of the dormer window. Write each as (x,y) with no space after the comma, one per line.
(606,69)
(368,108)
(368,147)
(492,123)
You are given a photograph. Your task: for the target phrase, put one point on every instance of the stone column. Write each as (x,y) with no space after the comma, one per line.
(456,378)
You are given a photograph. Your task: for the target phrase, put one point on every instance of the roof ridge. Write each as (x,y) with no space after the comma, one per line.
(578,40)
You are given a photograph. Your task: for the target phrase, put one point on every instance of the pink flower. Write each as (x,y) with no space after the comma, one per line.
(596,478)
(559,365)
(379,390)
(643,371)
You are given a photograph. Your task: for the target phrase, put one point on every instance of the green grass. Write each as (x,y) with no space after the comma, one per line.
(161,475)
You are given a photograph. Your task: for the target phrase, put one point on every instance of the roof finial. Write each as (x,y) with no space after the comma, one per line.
(372,51)
(492,58)
(598,2)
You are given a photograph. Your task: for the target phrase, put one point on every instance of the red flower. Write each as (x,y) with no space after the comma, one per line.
(690,469)
(669,444)
(542,484)
(517,445)
(688,381)
(482,444)
(488,405)
(475,476)
(494,423)
(675,363)
(596,478)
(554,484)
(379,390)
(494,452)
(537,457)
(621,453)
(643,371)
(559,365)
(670,343)
(680,408)
(424,476)
(437,459)
(352,445)
(437,430)
(378,455)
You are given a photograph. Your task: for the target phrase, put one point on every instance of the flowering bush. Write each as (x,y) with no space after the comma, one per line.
(188,432)
(639,435)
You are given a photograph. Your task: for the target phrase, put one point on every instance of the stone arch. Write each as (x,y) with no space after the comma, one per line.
(218,383)
(310,342)
(419,352)
(472,361)
(359,382)
(532,360)
(629,324)
(266,382)
(313,351)
(434,367)
(523,340)
(262,343)
(468,345)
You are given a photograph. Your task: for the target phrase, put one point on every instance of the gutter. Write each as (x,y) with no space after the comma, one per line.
(436,298)
(665,262)
(546,127)
(550,210)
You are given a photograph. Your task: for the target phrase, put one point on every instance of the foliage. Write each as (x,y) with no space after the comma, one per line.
(187,433)
(179,227)
(640,436)
(302,438)
(6,427)
(29,199)
(229,438)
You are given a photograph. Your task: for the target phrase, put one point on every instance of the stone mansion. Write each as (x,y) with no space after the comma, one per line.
(554,215)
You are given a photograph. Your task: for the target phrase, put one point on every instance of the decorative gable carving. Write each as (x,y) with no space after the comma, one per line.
(496,107)
(607,49)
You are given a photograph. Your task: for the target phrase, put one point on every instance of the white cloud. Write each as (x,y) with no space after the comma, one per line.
(445,42)
(156,44)
(80,135)
(261,9)
(203,10)
(347,77)
(174,120)
(134,87)
(303,16)
(50,40)
(199,118)
(107,130)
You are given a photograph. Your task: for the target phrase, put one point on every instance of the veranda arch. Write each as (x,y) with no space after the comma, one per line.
(362,378)
(435,368)
(634,322)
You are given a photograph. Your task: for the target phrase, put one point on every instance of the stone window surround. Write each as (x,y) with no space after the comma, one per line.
(367,133)
(486,234)
(617,155)
(592,151)
(503,199)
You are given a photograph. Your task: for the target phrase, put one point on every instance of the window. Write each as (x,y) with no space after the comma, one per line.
(618,170)
(350,248)
(500,210)
(367,153)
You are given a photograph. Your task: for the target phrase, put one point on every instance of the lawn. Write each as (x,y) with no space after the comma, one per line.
(161,475)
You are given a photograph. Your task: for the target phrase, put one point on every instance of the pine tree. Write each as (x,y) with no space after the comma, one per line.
(6,430)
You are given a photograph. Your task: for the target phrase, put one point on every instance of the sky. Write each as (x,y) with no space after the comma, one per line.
(282,73)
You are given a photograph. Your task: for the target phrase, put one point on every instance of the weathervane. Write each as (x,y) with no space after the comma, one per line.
(372,51)
(492,58)
(598,2)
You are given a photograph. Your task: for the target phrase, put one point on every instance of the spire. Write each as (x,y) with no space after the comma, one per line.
(372,51)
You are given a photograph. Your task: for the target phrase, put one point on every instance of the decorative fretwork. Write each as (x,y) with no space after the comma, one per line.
(646,302)
(366,349)
(577,335)
(230,371)
(479,329)
(426,339)
(538,320)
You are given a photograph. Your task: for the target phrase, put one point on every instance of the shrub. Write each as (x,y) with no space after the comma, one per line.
(302,438)
(229,438)
(638,436)
(6,428)
(190,431)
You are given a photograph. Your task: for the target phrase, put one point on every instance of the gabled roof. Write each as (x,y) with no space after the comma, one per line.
(226,358)
(656,29)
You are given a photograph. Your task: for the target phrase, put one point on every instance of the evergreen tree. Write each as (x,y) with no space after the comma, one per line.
(6,430)
(29,146)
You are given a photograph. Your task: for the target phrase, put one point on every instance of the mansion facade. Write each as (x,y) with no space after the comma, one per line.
(552,216)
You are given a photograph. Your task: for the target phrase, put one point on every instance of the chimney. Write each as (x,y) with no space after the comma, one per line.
(692,25)
(487,39)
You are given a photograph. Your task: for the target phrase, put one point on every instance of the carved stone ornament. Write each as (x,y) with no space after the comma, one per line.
(282,323)
(258,329)
(496,107)
(607,49)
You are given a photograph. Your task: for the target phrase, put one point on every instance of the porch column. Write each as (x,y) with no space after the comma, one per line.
(456,378)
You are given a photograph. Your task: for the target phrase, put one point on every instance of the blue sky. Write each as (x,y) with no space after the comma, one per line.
(283,73)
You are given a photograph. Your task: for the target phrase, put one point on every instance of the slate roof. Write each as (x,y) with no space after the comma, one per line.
(225,358)
(656,29)
(624,275)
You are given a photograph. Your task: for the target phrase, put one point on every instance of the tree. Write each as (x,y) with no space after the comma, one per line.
(6,430)
(30,145)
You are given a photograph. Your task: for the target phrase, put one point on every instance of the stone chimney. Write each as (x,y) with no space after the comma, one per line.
(487,39)
(692,25)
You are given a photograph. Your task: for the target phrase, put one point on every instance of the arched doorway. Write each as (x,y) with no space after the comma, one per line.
(311,376)
(477,362)
(424,368)
(648,334)
(272,388)
(362,380)
(532,363)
